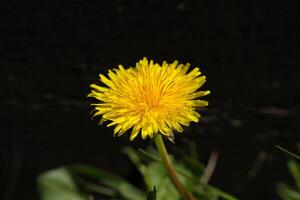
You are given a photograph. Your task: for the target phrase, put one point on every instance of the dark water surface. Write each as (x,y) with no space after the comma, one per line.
(52,50)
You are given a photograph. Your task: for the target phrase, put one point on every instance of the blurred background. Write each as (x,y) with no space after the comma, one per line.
(52,50)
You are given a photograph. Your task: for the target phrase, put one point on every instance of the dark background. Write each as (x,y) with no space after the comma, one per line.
(52,50)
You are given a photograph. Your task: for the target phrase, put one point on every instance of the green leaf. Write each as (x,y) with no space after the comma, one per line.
(153,156)
(151,195)
(94,187)
(287,193)
(134,157)
(122,188)
(155,174)
(221,193)
(294,168)
(58,184)
(190,172)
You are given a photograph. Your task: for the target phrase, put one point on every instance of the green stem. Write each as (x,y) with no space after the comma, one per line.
(160,145)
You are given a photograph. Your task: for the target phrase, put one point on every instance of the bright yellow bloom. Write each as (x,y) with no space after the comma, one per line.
(149,98)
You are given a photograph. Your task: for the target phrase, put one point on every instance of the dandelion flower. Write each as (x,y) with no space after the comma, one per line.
(149,98)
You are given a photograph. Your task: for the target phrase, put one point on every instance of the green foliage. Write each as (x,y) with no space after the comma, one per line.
(116,186)
(189,172)
(58,184)
(151,195)
(287,192)
(153,174)
(77,182)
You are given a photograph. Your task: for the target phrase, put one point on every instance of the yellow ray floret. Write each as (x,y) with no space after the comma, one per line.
(149,98)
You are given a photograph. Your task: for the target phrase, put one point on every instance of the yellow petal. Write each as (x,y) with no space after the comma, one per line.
(134,132)
(106,81)
(144,133)
(150,98)
(99,88)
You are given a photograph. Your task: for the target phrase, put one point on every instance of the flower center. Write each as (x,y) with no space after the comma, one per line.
(152,98)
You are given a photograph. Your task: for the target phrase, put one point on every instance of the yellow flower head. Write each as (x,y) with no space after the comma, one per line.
(149,98)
